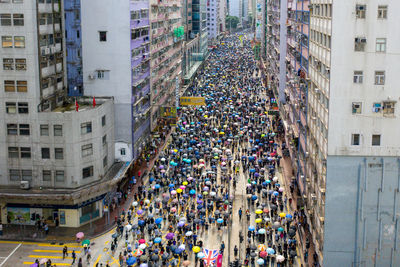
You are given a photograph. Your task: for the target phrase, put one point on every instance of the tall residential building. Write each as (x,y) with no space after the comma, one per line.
(341,116)
(199,20)
(213,20)
(235,9)
(167,35)
(223,12)
(55,161)
(110,48)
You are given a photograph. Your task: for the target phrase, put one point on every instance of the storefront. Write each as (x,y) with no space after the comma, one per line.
(56,215)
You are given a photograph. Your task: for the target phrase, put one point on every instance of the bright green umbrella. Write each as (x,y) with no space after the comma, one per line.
(86,242)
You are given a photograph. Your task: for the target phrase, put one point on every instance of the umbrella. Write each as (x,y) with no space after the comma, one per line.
(43,261)
(251,228)
(280,258)
(80,235)
(34,265)
(196,249)
(189,233)
(200,255)
(292,233)
(131,260)
(154,257)
(259,220)
(142,241)
(128,227)
(263,254)
(157,240)
(143,264)
(86,242)
(280,229)
(282,215)
(259,211)
(186,263)
(142,246)
(220,220)
(135,204)
(270,251)
(170,236)
(261,247)
(140,212)
(158,220)
(260,261)
(261,231)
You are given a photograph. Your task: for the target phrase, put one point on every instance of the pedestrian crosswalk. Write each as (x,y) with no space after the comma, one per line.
(54,253)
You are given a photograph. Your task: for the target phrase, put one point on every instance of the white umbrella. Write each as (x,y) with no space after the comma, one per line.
(128,227)
(280,258)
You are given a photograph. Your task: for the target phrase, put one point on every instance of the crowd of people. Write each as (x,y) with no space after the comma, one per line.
(192,194)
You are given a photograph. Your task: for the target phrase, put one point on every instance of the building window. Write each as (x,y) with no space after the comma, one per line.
(11,107)
(12,129)
(359,44)
(15,175)
(381,45)
(44,130)
(87,150)
(103,74)
(6,41)
(103,120)
(18,19)
(19,41)
(360,11)
(103,36)
(123,152)
(60,177)
(356,107)
(379,77)
(382,12)
(20,64)
(26,175)
(25,152)
(355,139)
(105,161)
(376,140)
(8,64)
(358,77)
(58,131)
(5,19)
(46,175)
(388,107)
(87,172)
(45,153)
(58,153)
(24,129)
(9,86)
(22,86)
(13,152)
(86,127)
(104,140)
(23,108)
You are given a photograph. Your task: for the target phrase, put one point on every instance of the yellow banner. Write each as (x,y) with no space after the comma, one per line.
(192,101)
(168,112)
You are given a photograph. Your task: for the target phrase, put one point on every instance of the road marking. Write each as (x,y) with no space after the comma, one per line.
(41,244)
(9,255)
(114,260)
(48,257)
(58,246)
(52,251)
(57,264)
(97,260)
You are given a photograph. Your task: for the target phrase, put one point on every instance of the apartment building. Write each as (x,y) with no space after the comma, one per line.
(339,104)
(55,161)
(223,12)
(166,54)
(213,19)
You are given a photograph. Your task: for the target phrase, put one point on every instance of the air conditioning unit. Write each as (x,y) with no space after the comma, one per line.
(52,50)
(24,185)
(47,51)
(316,90)
(91,77)
(363,40)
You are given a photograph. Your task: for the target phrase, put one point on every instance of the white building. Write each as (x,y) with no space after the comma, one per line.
(213,19)
(353,117)
(223,12)
(55,162)
(235,8)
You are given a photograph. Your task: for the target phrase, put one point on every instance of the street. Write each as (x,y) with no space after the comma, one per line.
(221,157)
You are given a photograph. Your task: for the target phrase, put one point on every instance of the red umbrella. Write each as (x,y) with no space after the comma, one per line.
(142,241)
(263,254)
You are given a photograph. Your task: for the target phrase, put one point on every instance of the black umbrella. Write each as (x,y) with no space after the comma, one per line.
(253,254)
(154,257)
(292,233)
(253,247)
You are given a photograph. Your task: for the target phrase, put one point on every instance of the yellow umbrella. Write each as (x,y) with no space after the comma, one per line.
(221,133)
(196,249)
(205,116)
(176,150)
(259,211)
(258,220)
(185,183)
(282,215)
(216,157)
(179,190)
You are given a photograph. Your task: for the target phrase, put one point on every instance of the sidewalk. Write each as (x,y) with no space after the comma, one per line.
(286,172)
(91,230)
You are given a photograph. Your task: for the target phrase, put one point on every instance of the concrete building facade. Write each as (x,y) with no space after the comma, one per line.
(213,19)
(55,161)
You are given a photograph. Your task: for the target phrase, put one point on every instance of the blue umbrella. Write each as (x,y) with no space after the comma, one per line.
(270,251)
(141,222)
(151,179)
(275,193)
(289,216)
(253,197)
(192,192)
(158,220)
(251,228)
(157,186)
(131,260)
(220,220)
(171,185)
(157,240)
(268,181)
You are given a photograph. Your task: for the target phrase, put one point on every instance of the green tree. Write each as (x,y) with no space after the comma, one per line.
(231,22)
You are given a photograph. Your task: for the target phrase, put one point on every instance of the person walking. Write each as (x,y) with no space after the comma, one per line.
(65,252)
(240,214)
(80,264)
(73,256)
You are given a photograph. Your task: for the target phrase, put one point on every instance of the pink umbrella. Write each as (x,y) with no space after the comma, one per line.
(173,192)
(80,235)
(182,187)
(173,209)
(142,241)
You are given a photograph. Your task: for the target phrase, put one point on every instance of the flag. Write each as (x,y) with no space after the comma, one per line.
(210,256)
(76,105)
(94,102)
